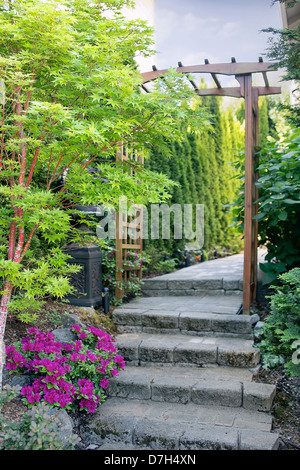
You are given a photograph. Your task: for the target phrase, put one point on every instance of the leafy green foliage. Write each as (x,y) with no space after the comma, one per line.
(44,279)
(200,164)
(166,266)
(279,203)
(70,93)
(280,335)
(284,51)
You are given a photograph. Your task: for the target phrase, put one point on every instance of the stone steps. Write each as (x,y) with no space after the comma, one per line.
(146,425)
(219,386)
(196,323)
(188,382)
(204,316)
(180,350)
(166,286)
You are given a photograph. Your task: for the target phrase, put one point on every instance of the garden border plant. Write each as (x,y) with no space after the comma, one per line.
(279,337)
(279,203)
(37,429)
(71,376)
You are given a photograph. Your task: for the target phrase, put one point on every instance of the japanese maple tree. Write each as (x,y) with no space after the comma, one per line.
(69,94)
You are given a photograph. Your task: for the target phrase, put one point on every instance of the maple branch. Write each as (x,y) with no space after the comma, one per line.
(20,244)
(68,165)
(36,153)
(28,242)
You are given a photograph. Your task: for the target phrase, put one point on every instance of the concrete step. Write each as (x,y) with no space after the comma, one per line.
(166,286)
(180,350)
(219,386)
(200,323)
(145,424)
(230,304)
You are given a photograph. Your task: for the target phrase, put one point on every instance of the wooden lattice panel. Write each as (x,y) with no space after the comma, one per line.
(129,230)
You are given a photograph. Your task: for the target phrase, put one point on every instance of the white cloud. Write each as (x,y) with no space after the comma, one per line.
(194,30)
(195,58)
(228,30)
(191,22)
(207,25)
(166,22)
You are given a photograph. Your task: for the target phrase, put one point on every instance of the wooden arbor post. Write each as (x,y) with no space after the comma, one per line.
(243,73)
(251,191)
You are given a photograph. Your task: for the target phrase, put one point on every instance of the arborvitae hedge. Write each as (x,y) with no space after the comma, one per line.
(203,166)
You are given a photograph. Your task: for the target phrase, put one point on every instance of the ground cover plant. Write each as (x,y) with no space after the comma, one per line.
(36,429)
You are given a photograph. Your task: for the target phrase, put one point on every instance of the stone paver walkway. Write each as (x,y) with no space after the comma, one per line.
(230,267)
(214,277)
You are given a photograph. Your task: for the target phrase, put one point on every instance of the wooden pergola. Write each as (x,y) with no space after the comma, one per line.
(243,73)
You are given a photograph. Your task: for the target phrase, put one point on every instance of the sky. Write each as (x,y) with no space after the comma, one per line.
(193,30)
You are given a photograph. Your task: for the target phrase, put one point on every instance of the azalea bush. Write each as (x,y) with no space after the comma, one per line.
(70,376)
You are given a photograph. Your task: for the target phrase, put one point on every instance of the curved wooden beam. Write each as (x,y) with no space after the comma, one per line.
(236,92)
(232,68)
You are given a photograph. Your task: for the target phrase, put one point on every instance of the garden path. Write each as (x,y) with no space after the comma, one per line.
(228,268)
(190,356)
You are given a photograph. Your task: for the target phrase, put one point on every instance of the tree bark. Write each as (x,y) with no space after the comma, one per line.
(3,316)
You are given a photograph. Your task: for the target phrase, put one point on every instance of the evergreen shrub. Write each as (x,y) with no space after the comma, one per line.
(34,430)
(280,334)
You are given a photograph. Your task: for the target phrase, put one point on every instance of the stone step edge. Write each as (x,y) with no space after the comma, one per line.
(231,392)
(140,348)
(152,433)
(189,292)
(151,321)
(165,331)
(190,284)
(205,438)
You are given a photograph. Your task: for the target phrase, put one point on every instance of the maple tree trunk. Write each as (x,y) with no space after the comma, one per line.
(3,316)
(15,256)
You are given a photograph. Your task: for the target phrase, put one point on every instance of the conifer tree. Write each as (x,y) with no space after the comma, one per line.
(202,164)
